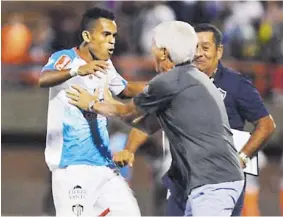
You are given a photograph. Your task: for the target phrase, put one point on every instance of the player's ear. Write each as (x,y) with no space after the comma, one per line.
(220,51)
(86,36)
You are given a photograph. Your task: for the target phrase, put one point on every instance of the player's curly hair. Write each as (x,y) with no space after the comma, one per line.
(93,14)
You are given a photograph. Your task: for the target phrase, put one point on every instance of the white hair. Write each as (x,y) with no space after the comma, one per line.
(179,39)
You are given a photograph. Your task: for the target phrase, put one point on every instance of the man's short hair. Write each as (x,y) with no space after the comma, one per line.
(179,38)
(93,14)
(206,27)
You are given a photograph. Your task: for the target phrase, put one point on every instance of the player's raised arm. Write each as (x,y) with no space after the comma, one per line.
(55,75)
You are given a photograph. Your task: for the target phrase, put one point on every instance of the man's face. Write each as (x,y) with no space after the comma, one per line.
(103,38)
(163,62)
(207,54)
(157,53)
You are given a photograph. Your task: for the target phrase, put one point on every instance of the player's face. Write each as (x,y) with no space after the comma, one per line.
(207,54)
(103,38)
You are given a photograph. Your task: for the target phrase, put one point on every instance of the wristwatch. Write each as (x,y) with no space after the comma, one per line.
(244,158)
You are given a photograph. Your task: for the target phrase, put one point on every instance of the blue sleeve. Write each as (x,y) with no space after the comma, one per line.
(250,103)
(58,61)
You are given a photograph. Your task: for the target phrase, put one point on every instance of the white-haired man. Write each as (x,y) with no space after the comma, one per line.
(191,111)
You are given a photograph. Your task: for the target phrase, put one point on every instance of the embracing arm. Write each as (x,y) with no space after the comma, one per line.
(132,89)
(126,111)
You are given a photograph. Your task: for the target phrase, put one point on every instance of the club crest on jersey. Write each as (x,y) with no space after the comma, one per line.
(62,62)
(222,92)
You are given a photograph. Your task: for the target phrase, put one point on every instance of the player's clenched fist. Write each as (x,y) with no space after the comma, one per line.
(93,67)
(124,158)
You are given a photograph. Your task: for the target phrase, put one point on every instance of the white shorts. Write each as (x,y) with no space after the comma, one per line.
(82,190)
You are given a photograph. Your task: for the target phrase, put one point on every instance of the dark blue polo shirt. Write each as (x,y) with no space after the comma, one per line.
(242,100)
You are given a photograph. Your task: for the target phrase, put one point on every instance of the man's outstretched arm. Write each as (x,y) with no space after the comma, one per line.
(132,89)
(128,112)
(110,107)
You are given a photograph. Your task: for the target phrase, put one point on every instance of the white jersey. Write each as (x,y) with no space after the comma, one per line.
(74,136)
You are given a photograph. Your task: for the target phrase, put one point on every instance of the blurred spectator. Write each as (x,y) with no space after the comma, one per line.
(271,33)
(16,40)
(240,28)
(243,13)
(43,35)
(66,25)
(184,10)
(277,89)
(126,20)
(153,15)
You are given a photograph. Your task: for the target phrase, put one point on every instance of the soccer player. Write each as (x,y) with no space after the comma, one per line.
(85,180)
(189,108)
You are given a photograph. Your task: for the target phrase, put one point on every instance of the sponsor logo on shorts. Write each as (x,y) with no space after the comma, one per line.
(77,192)
(77,209)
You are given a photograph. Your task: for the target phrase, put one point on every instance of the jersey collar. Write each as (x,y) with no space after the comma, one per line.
(218,73)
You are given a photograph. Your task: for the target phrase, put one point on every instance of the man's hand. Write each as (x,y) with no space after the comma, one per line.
(244,159)
(81,97)
(242,164)
(93,67)
(124,158)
